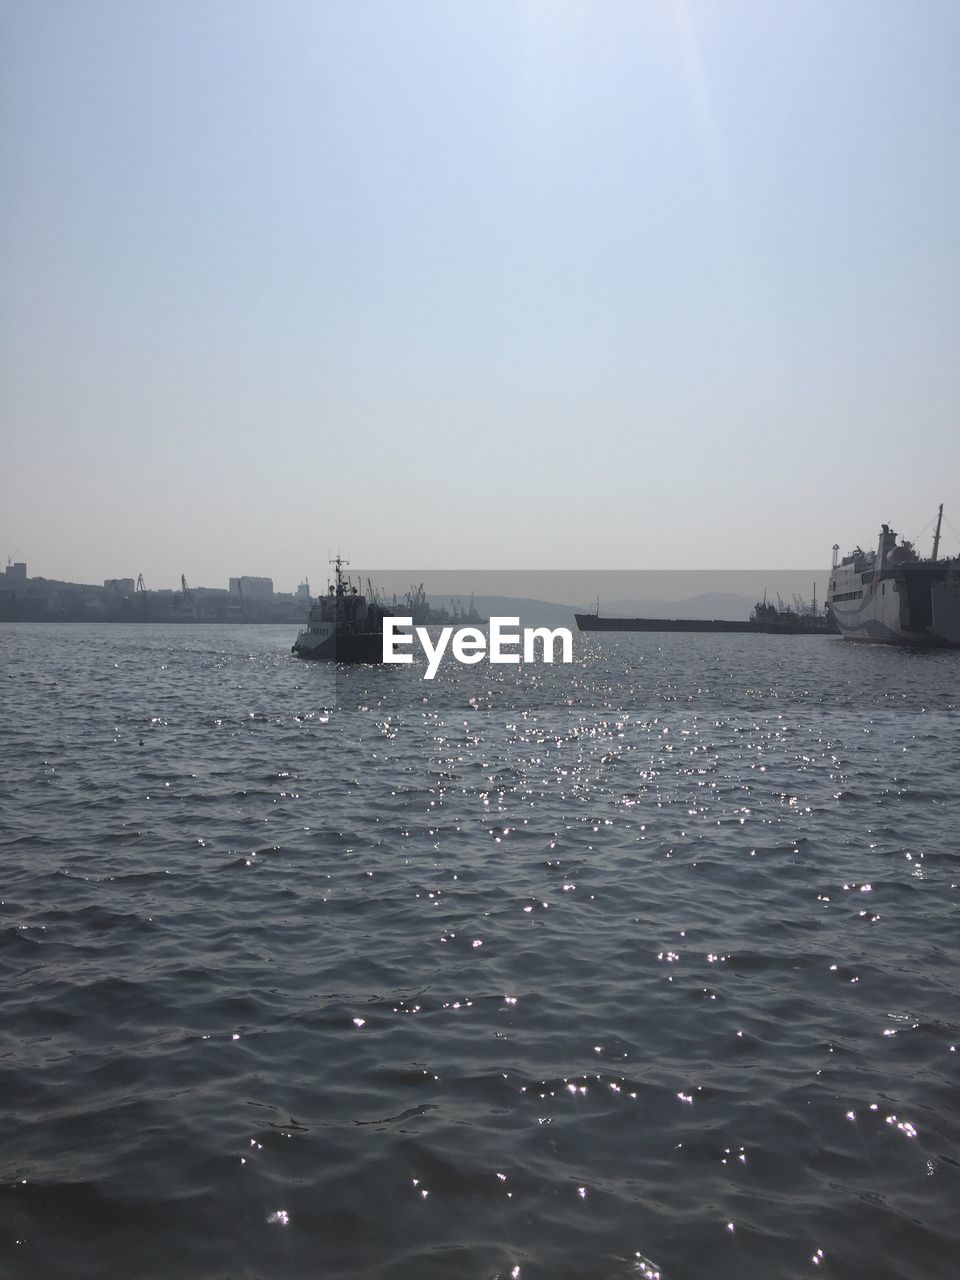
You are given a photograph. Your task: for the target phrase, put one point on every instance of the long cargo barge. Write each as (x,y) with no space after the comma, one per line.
(766,620)
(591,622)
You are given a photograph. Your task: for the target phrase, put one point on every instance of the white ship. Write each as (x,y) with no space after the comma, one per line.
(894,596)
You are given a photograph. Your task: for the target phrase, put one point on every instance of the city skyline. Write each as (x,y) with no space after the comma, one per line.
(615,591)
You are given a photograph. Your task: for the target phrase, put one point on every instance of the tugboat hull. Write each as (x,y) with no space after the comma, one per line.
(363,646)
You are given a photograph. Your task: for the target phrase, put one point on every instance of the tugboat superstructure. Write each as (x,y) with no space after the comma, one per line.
(342,626)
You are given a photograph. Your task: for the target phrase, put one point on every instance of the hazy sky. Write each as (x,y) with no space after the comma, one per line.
(484,284)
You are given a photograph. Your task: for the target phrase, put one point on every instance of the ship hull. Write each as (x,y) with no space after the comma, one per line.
(917,607)
(358,647)
(590,622)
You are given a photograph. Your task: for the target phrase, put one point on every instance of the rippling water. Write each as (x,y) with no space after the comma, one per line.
(645,965)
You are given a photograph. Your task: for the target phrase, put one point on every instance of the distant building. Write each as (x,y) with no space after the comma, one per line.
(252,588)
(303,591)
(123,586)
(16,573)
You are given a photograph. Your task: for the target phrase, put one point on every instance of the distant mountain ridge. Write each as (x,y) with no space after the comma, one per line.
(712,604)
(532,612)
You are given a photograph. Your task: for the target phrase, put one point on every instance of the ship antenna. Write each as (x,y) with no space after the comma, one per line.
(338,563)
(936,536)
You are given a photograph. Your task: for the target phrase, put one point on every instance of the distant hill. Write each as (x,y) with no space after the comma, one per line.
(541,613)
(532,613)
(712,604)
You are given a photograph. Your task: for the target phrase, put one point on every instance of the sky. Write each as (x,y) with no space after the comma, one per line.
(654,285)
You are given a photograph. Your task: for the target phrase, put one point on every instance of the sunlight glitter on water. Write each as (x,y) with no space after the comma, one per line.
(693,942)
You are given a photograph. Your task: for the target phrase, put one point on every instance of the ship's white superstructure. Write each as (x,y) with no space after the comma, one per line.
(893,596)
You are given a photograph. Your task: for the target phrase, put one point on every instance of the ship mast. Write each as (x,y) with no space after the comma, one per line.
(338,563)
(936,536)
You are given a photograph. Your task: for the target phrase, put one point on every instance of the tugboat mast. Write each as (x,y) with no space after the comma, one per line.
(936,536)
(338,563)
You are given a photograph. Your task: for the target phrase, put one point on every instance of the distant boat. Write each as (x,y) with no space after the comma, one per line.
(894,596)
(800,621)
(342,626)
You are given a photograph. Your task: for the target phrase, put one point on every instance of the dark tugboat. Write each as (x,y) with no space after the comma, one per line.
(342,626)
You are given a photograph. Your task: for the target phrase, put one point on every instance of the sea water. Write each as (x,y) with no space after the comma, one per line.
(643,965)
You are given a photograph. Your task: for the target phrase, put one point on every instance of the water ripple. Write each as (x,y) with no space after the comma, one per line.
(645,967)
